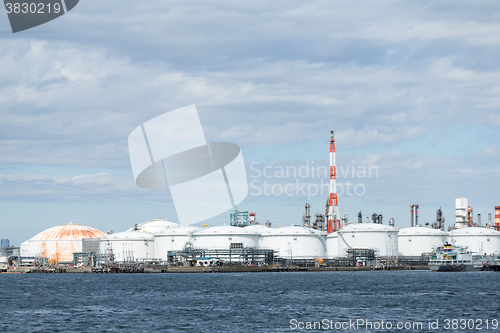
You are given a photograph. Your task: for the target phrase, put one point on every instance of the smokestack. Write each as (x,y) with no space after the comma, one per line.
(497,218)
(333,221)
(478,220)
(306,220)
(470,215)
(414,215)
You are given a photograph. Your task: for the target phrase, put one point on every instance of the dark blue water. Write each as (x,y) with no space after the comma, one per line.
(245,302)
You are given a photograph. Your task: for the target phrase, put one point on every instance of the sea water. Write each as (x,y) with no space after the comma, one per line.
(408,301)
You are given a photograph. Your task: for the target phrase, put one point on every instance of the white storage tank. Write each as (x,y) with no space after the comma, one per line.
(225,237)
(381,238)
(172,239)
(417,240)
(332,246)
(128,246)
(258,229)
(4,263)
(479,240)
(58,243)
(295,242)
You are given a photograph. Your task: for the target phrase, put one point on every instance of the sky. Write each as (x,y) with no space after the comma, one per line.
(411,89)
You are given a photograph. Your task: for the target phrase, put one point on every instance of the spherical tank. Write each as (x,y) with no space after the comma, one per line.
(58,243)
(128,246)
(479,240)
(295,242)
(381,238)
(414,241)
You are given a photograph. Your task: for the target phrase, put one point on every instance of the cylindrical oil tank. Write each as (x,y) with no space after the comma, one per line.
(154,226)
(258,229)
(225,237)
(4,262)
(295,242)
(128,246)
(58,243)
(478,240)
(332,245)
(381,238)
(172,239)
(414,241)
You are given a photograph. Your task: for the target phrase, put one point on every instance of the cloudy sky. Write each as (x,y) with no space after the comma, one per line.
(412,90)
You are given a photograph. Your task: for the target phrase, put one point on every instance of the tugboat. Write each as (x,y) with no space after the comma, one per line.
(451,258)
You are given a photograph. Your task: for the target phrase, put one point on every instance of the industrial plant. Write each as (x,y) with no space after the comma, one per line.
(328,241)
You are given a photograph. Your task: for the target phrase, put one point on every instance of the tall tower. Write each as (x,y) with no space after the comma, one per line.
(461,213)
(497,218)
(414,215)
(333,204)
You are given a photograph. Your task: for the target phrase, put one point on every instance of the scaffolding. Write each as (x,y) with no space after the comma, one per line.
(230,256)
(239,219)
(91,259)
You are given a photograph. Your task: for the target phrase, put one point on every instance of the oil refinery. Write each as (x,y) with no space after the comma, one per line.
(328,241)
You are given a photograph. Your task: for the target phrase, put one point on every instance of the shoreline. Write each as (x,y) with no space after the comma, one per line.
(180,269)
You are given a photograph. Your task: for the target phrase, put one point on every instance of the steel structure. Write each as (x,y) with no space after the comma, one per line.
(306,219)
(241,256)
(333,205)
(240,219)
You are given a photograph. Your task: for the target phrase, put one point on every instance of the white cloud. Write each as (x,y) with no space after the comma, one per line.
(274,76)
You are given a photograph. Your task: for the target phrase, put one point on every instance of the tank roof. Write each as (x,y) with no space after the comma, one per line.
(421,231)
(129,235)
(292,230)
(70,231)
(474,231)
(182,230)
(156,225)
(226,230)
(367,227)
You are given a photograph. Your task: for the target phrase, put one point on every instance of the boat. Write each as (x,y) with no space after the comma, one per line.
(451,258)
